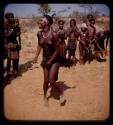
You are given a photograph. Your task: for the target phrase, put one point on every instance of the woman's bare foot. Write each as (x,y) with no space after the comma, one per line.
(62,100)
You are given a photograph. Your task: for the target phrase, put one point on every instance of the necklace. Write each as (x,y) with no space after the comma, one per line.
(47,34)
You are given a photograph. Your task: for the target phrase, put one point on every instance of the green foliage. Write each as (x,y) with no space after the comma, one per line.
(44,8)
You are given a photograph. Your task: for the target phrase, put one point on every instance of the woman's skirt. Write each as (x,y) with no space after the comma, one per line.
(13,52)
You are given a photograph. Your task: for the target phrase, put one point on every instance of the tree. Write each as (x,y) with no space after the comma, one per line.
(44,8)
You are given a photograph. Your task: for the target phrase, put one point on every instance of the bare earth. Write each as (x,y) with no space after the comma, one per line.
(86,89)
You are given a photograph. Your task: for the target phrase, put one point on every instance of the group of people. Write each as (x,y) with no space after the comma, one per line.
(92,44)
(53,43)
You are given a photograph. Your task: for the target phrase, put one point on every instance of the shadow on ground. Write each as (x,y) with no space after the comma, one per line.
(54,93)
(22,68)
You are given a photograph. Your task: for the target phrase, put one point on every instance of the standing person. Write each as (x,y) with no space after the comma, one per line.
(62,36)
(83,43)
(92,38)
(107,37)
(48,42)
(101,38)
(89,17)
(18,38)
(18,32)
(12,44)
(102,41)
(72,33)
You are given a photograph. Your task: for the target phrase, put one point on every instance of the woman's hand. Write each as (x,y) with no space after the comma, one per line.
(49,62)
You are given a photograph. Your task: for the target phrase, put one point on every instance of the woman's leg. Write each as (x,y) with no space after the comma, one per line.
(73,53)
(8,65)
(15,66)
(46,81)
(52,77)
(81,56)
(52,74)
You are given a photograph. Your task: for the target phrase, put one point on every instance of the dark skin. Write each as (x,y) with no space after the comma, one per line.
(18,31)
(9,30)
(102,38)
(93,42)
(83,41)
(92,34)
(72,33)
(92,30)
(45,37)
(89,17)
(62,36)
(107,36)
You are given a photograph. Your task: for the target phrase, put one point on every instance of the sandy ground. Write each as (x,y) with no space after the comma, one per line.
(86,89)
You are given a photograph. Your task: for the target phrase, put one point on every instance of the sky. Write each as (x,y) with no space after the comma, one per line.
(29,10)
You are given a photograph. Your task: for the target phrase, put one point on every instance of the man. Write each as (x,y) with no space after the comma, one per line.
(102,39)
(89,17)
(92,39)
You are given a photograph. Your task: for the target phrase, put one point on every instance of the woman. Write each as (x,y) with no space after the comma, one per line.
(72,33)
(62,37)
(48,41)
(83,43)
(12,44)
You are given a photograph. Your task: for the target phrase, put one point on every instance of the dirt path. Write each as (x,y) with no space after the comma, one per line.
(86,89)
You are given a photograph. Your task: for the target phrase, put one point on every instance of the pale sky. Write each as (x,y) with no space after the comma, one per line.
(27,10)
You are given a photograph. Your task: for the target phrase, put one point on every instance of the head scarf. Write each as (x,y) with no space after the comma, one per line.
(83,25)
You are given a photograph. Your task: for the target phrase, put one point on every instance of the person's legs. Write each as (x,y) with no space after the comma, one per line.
(8,65)
(81,56)
(52,75)
(106,45)
(46,81)
(69,55)
(17,62)
(14,55)
(74,50)
(15,66)
(73,54)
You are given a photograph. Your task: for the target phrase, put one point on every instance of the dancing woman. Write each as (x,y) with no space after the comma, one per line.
(48,42)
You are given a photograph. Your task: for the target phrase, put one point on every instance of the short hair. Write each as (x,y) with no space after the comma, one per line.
(83,25)
(61,21)
(73,20)
(90,15)
(49,18)
(7,15)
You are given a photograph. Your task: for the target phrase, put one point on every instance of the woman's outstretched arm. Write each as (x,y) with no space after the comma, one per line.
(37,51)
